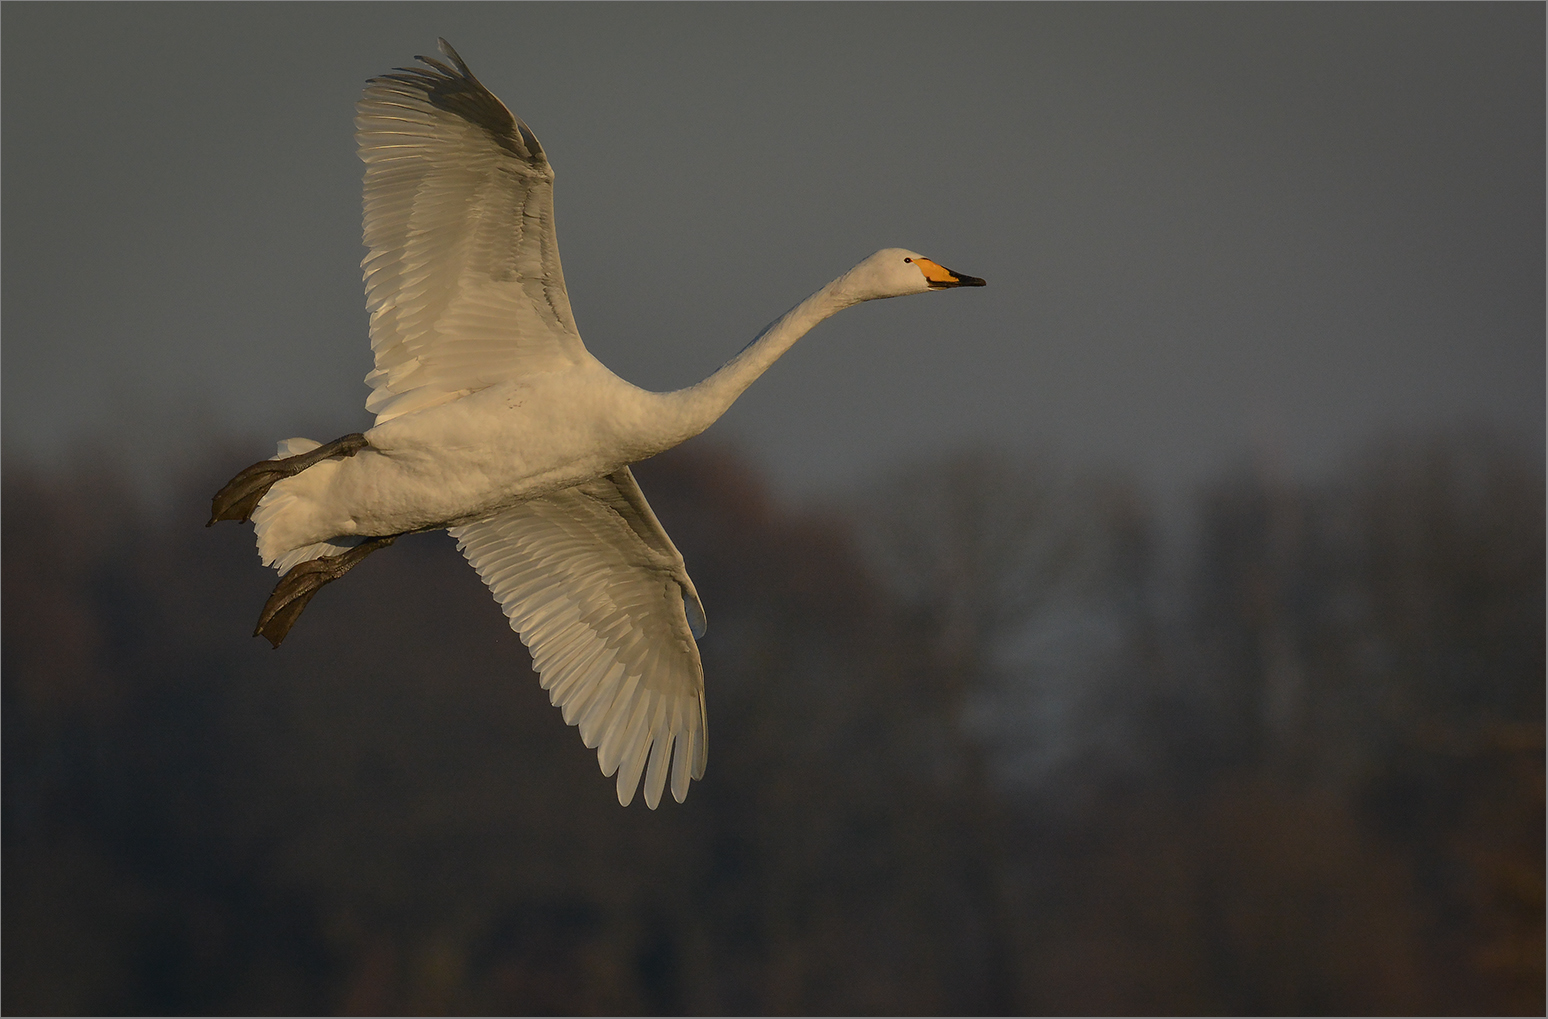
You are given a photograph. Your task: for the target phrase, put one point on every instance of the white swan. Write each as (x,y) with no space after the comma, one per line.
(493,421)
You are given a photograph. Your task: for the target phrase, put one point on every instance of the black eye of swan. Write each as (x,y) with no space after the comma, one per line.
(908,260)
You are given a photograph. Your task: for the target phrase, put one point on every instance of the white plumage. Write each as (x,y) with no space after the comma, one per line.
(603,600)
(495,422)
(462,280)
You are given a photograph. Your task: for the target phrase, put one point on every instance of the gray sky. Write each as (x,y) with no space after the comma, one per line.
(1207,230)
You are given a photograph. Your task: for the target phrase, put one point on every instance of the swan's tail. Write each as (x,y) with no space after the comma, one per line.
(284,497)
(275,511)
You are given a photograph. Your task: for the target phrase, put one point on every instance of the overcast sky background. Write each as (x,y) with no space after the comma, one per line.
(1209,231)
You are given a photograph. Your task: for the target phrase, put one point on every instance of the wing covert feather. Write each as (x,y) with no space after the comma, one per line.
(462,274)
(601,597)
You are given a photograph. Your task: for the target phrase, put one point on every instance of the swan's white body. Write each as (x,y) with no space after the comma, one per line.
(495,422)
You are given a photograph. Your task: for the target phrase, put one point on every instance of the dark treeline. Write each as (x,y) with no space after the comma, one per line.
(993,740)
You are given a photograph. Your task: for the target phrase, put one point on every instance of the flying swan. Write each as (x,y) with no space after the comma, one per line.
(494,422)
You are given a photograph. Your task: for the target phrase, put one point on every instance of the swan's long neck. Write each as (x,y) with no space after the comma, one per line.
(697,407)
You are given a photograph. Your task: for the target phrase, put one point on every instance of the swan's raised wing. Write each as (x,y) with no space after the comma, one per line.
(602,599)
(462,276)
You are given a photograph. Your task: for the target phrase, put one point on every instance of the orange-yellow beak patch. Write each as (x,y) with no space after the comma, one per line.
(934,271)
(939,277)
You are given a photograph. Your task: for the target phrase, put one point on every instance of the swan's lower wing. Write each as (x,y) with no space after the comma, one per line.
(600,596)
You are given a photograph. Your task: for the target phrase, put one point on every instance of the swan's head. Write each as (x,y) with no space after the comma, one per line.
(893,272)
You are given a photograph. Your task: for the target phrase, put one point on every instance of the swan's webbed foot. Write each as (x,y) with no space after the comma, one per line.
(242,493)
(296,588)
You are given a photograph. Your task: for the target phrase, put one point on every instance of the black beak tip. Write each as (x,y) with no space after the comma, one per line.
(959,280)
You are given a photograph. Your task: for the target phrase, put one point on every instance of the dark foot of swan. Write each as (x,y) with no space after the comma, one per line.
(240,496)
(296,588)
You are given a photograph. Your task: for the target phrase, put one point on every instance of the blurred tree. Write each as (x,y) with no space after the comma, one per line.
(1305,774)
(1027,585)
(1375,642)
(1026,581)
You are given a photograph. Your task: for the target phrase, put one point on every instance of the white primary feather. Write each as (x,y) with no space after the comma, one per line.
(602,598)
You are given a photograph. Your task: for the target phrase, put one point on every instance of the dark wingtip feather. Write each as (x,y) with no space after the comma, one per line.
(451,54)
(456,90)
